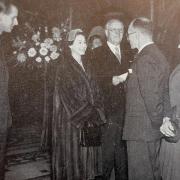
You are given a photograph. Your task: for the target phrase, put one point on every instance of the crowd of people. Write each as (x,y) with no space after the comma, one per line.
(109,115)
(112,115)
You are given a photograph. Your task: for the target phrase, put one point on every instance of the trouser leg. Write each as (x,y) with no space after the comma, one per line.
(121,172)
(107,151)
(3,141)
(143,162)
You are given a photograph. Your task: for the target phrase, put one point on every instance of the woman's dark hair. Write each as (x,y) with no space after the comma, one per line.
(95,37)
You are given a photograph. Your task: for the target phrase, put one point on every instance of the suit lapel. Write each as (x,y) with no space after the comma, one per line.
(111,56)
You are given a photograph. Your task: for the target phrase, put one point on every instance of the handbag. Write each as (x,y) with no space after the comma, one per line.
(90,135)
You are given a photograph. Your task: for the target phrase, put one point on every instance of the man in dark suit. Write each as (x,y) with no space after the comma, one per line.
(147,100)
(8,19)
(109,64)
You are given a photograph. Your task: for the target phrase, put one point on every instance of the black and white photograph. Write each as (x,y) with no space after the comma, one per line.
(90,90)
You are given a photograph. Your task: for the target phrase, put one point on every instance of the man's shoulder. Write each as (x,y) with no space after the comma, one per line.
(153,53)
(154,58)
(154,50)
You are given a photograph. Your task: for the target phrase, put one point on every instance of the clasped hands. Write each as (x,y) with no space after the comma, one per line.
(119,79)
(167,128)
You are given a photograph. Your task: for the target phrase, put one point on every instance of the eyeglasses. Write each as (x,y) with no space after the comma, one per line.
(128,34)
(116,30)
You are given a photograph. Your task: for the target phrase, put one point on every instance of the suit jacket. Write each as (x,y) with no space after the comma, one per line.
(147,95)
(174,88)
(105,66)
(5,117)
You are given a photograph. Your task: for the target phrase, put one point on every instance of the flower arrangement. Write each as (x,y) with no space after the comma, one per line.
(38,47)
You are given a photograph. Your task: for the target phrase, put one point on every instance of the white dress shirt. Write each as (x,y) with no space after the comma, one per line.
(113,48)
(142,47)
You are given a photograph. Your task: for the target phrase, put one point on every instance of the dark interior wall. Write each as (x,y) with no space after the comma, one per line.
(83,11)
(87,13)
(167,20)
(43,11)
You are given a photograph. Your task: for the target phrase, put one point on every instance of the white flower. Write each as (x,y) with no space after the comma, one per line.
(57,38)
(21,57)
(47,59)
(14,52)
(32,52)
(46,29)
(56,33)
(53,48)
(38,59)
(56,30)
(37,43)
(48,41)
(35,37)
(48,46)
(54,55)
(43,45)
(43,51)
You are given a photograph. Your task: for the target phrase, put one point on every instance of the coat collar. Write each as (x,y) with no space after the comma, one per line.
(76,67)
(144,51)
(108,51)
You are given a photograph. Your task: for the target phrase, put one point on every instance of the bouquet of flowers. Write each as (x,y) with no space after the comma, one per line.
(39,47)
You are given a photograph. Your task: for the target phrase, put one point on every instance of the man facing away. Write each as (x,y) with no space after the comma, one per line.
(8,19)
(147,100)
(109,64)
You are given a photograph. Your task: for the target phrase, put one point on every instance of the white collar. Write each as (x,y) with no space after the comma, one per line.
(142,47)
(112,47)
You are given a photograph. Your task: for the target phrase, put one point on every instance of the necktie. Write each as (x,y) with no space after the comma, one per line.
(117,54)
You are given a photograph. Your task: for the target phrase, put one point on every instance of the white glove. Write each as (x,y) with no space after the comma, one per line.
(167,128)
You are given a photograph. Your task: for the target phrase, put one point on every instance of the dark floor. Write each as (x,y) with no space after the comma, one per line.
(25,160)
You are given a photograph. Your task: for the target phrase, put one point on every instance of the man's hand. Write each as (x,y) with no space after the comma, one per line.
(119,79)
(116,80)
(167,128)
